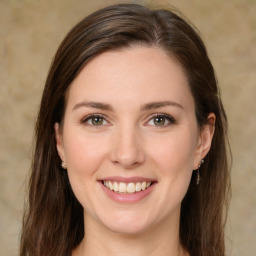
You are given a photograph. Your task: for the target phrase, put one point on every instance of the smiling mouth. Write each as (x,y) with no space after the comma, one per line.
(127,188)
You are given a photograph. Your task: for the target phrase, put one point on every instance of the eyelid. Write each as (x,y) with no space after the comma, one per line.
(85,119)
(167,116)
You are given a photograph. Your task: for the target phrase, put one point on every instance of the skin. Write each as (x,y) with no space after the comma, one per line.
(130,142)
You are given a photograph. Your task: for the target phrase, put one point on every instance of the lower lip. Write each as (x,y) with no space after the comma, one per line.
(127,198)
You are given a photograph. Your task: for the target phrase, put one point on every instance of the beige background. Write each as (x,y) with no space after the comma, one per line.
(30,32)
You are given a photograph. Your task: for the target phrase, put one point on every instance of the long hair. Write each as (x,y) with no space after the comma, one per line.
(53,220)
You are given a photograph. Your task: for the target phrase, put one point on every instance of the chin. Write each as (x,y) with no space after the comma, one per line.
(127,224)
(127,229)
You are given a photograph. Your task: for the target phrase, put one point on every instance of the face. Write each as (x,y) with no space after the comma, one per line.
(130,139)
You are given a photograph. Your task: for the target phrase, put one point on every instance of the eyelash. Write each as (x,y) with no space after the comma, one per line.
(166,117)
(86,119)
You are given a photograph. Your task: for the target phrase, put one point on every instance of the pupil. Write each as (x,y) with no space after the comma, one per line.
(97,120)
(159,120)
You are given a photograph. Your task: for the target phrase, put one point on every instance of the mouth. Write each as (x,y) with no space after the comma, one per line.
(127,188)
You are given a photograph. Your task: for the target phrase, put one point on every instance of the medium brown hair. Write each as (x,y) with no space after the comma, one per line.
(53,221)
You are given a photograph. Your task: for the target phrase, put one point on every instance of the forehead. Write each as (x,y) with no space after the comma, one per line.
(137,74)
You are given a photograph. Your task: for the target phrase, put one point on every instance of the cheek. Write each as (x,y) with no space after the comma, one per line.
(175,152)
(83,153)
(173,156)
(84,156)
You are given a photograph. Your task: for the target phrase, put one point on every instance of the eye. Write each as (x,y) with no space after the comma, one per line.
(161,120)
(95,120)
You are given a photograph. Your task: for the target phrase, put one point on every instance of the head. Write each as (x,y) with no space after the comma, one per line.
(120,28)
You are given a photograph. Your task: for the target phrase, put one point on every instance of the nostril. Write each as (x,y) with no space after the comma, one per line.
(126,150)
(127,165)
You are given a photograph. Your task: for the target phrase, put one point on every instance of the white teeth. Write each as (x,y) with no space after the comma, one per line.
(116,187)
(127,187)
(143,185)
(130,187)
(138,186)
(122,187)
(106,183)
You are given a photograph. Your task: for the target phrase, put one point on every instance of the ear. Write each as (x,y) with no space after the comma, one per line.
(59,141)
(204,140)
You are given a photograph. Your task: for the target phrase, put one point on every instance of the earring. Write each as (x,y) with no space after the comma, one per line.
(63,165)
(198,178)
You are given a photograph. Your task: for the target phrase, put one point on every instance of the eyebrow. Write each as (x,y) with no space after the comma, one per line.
(108,107)
(98,105)
(155,105)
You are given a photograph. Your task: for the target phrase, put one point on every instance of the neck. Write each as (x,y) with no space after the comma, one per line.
(155,241)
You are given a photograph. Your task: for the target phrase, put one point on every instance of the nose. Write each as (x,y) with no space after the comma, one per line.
(127,148)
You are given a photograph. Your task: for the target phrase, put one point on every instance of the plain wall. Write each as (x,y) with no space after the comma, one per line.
(30,32)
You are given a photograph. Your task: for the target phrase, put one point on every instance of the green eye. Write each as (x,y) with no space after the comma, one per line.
(97,120)
(159,120)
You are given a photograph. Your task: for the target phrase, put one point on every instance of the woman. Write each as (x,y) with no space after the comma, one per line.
(131,142)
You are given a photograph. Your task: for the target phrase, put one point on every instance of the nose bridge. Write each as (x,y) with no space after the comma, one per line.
(127,149)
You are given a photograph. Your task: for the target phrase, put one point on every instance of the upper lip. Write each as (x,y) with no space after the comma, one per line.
(127,179)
